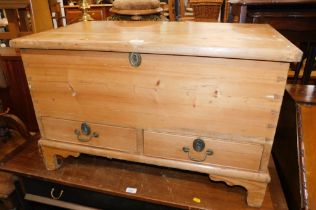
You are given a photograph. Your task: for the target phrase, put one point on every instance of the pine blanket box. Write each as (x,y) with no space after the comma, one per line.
(203,97)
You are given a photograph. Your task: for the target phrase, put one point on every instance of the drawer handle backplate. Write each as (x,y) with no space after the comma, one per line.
(198,146)
(56,197)
(85,134)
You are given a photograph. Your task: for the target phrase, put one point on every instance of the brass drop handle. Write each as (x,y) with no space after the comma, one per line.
(198,146)
(135,59)
(56,197)
(85,134)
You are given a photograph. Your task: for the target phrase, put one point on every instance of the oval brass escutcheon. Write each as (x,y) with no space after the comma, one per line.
(135,59)
(198,145)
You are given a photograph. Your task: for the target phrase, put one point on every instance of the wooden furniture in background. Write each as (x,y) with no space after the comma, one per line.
(56,10)
(295,19)
(24,17)
(13,10)
(6,190)
(206,10)
(101,183)
(205,108)
(17,95)
(97,12)
(178,10)
(171,10)
(149,10)
(294,148)
(19,136)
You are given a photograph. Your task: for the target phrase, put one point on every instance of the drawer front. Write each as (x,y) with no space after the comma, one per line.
(74,14)
(86,198)
(109,137)
(97,14)
(225,98)
(215,152)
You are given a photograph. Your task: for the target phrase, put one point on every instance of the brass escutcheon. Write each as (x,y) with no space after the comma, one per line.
(198,145)
(135,59)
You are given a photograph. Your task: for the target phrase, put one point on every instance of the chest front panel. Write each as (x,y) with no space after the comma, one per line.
(224,98)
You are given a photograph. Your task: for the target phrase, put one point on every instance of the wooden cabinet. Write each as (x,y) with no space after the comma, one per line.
(167,94)
(97,12)
(24,17)
(39,191)
(16,96)
(295,19)
(294,148)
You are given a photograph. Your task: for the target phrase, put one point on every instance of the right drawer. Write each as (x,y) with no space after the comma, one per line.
(215,152)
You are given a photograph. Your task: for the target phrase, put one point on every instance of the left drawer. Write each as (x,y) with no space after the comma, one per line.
(90,134)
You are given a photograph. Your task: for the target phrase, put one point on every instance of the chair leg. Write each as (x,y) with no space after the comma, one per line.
(230,13)
(243,13)
(310,60)
(297,71)
(171,5)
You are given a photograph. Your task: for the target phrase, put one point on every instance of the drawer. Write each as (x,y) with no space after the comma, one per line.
(215,152)
(109,137)
(50,193)
(73,15)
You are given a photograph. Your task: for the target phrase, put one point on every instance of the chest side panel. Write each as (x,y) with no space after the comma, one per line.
(226,98)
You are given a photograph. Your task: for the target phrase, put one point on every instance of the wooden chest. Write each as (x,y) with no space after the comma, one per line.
(203,97)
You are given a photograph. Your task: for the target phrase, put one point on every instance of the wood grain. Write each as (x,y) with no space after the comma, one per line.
(302,93)
(308,130)
(171,96)
(14,4)
(41,16)
(246,41)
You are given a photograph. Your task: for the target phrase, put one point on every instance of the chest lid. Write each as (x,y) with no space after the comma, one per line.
(242,41)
